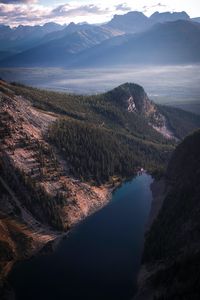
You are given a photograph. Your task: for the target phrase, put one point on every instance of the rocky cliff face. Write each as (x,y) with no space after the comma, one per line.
(172,249)
(134,99)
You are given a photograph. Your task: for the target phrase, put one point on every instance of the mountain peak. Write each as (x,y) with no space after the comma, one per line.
(132,97)
(133,21)
(130,14)
(71,24)
(53,25)
(169,16)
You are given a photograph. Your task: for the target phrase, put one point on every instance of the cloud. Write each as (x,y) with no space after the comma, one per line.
(82,10)
(161,5)
(14,14)
(158,5)
(123,7)
(18,1)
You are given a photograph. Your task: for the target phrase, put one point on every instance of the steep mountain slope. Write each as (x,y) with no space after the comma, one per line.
(62,48)
(172,249)
(25,149)
(38,197)
(167,43)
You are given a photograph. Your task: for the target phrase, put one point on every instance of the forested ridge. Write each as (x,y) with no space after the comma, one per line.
(97,135)
(100,138)
(95,153)
(106,110)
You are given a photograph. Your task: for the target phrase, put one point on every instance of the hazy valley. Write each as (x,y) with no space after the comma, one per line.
(172,85)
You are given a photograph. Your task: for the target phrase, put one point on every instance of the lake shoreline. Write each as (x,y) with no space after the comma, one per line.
(158,189)
(57,245)
(50,246)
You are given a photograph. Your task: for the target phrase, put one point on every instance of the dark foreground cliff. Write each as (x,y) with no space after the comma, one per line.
(171,259)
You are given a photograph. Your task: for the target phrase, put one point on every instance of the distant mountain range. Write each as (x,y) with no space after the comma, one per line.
(169,17)
(135,21)
(167,43)
(127,39)
(61,49)
(23,37)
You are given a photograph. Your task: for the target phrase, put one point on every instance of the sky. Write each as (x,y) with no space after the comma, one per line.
(31,12)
